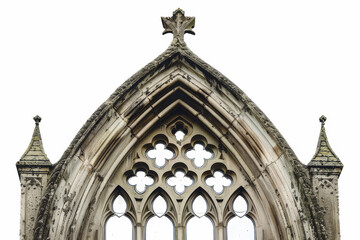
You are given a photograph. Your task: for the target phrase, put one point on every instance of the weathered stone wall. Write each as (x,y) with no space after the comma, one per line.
(32,189)
(83,190)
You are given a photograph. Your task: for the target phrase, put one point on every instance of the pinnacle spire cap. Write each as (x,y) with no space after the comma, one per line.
(322,119)
(35,155)
(324,156)
(37,119)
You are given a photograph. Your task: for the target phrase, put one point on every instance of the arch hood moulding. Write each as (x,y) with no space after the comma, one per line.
(179,85)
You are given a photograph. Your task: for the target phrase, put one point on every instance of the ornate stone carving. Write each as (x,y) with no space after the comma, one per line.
(178,25)
(179,53)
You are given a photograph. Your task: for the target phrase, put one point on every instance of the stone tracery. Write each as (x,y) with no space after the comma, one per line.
(142,136)
(185,178)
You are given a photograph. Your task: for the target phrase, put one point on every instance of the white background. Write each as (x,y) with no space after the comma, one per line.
(296,60)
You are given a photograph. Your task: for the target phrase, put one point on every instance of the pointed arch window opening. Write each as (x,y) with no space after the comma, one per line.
(199,208)
(118,225)
(159,226)
(240,206)
(159,221)
(159,206)
(240,226)
(119,206)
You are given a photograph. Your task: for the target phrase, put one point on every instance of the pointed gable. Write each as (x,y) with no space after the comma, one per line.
(178,85)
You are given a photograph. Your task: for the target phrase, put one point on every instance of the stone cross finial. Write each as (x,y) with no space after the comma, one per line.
(37,119)
(178,25)
(322,119)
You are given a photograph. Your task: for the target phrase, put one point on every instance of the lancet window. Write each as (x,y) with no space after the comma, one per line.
(199,220)
(240,226)
(180,183)
(118,225)
(159,226)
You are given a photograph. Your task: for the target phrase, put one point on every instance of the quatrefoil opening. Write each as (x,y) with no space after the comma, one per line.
(160,153)
(218,181)
(140,181)
(219,178)
(180,181)
(199,153)
(140,177)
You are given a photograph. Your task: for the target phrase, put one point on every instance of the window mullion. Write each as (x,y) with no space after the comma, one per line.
(139,233)
(179,232)
(220,232)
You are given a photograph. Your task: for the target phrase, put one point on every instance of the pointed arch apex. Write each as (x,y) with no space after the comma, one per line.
(179,92)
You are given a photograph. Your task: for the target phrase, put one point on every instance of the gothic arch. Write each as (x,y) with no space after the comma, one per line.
(107,207)
(212,211)
(171,212)
(178,87)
